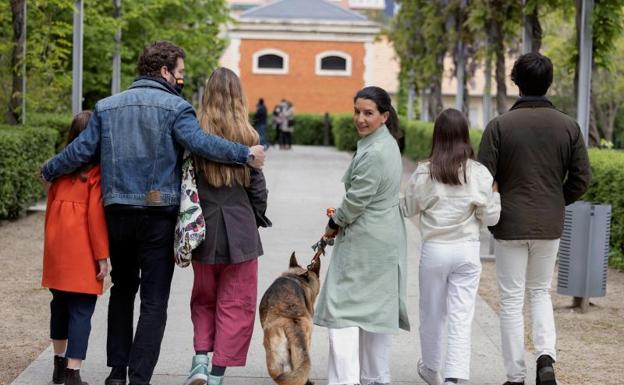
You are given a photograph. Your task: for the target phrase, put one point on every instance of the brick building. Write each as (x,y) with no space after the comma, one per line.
(314,53)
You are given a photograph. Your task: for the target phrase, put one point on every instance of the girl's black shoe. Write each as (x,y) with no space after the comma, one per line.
(513,383)
(72,377)
(545,372)
(60,364)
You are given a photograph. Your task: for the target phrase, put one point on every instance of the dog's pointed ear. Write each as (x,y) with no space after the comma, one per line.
(315,267)
(293,260)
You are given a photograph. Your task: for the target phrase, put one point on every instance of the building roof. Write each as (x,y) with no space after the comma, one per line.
(303,9)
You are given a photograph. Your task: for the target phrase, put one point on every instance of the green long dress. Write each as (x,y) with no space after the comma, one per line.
(365,285)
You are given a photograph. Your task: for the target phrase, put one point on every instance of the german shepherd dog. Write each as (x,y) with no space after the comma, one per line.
(286,311)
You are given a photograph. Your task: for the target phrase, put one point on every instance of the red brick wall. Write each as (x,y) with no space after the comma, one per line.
(306,90)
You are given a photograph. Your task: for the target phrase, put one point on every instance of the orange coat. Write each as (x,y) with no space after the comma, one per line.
(75,234)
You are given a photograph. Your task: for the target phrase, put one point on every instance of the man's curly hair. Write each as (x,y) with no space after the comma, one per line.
(162,53)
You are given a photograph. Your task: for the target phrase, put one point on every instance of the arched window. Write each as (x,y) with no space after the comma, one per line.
(333,63)
(270,61)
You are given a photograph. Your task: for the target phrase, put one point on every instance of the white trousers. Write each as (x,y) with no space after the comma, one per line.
(448,278)
(520,265)
(358,357)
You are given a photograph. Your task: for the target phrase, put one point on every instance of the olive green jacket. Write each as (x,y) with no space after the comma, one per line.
(365,284)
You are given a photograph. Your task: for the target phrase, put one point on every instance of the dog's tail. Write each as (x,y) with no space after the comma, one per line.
(288,359)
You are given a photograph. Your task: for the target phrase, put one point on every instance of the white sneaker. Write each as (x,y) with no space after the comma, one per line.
(431,377)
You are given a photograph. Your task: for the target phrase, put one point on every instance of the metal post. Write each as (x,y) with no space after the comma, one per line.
(116,82)
(77,58)
(24,65)
(424,105)
(585,70)
(460,73)
(526,31)
(487,91)
(411,95)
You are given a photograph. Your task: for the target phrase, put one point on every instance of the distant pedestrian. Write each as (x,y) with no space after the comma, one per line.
(288,124)
(277,122)
(453,196)
(538,158)
(260,122)
(75,261)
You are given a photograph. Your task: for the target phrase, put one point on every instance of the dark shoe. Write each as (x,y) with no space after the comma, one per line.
(513,383)
(545,372)
(72,377)
(117,376)
(114,381)
(60,364)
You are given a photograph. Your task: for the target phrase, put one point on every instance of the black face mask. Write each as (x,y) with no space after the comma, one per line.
(179,85)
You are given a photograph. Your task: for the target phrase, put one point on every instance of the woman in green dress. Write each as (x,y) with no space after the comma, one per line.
(362,301)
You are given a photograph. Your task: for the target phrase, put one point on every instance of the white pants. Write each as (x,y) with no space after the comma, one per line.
(449,279)
(520,265)
(358,357)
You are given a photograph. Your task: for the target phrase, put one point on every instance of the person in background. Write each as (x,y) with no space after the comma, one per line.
(260,122)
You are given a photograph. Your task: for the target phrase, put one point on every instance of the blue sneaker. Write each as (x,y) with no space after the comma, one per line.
(199,370)
(215,380)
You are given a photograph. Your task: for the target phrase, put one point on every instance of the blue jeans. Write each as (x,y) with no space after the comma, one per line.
(70,319)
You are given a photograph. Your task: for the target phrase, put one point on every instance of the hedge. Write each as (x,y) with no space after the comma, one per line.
(56,121)
(344,132)
(418,137)
(22,151)
(606,187)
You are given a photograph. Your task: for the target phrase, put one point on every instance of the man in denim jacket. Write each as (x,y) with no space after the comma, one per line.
(139,136)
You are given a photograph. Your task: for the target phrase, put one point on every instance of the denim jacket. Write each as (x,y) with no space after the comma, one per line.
(139,136)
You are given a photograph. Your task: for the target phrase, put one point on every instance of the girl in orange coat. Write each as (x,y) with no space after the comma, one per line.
(74,261)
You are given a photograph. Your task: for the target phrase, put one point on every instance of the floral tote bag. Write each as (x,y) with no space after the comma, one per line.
(190,228)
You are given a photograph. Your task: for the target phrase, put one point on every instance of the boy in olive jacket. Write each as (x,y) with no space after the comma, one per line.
(538,157)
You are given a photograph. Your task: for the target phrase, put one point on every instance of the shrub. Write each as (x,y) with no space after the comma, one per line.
(309,129)
(606,187)
(22,151)
(55,121)
(344,133)
(418,137)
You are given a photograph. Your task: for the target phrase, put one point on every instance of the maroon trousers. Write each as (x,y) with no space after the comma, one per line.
(223,310)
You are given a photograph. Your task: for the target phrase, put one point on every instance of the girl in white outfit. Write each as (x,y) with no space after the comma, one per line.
(454,196)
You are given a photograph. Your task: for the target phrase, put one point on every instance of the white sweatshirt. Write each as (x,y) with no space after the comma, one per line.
(452,213)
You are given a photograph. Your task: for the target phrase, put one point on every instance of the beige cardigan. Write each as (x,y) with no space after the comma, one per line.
(452,213)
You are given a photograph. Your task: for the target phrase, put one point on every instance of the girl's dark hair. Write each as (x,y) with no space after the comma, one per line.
(384,104)
(451,147)
(78,124)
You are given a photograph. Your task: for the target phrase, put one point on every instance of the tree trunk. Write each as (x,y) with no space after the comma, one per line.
(499,49)
(17,57)
(535,30)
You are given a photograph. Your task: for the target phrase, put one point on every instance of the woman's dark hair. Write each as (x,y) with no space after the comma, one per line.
(380,97)
(159,54)
(533,74)
(78,124)
(450,149)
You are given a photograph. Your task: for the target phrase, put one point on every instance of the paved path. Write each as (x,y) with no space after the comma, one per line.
(302,183)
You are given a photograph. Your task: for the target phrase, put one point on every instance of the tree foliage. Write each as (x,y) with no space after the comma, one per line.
(191,24)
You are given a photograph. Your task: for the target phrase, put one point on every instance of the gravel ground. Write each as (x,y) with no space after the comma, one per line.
(589,346)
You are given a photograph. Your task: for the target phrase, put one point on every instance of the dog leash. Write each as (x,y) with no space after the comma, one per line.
(321,244)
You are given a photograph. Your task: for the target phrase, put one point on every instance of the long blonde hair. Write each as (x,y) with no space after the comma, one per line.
(224,113)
